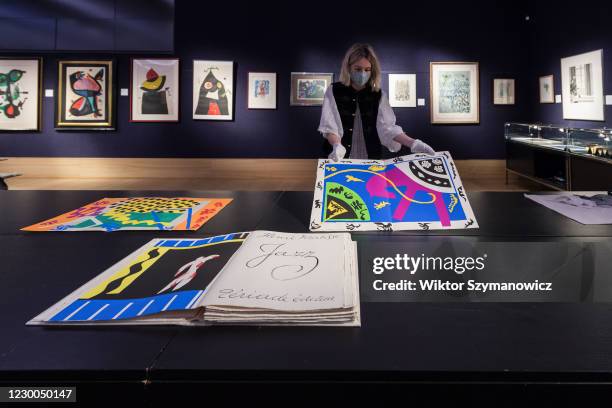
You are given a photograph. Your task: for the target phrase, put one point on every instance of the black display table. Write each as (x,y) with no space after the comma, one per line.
(401,346)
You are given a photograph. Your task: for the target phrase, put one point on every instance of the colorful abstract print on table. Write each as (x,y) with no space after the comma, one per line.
(166,275)
(411,192)
(136,213)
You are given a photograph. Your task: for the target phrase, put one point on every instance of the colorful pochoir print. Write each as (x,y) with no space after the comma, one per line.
(136,213)
(163,275)
(410,192)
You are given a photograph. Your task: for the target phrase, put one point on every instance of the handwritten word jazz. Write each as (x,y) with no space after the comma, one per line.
(298,263)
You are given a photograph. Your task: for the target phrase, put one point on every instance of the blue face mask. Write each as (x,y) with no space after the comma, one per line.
(360,78)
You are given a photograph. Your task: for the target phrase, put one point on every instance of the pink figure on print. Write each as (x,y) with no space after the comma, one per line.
(428,175)
(182,278)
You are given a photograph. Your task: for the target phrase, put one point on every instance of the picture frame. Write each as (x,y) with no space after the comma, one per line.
(85,95)
(262,90)
(547,89)
(213,90)
(20,94)
(454,92)
(504,91)
(582,86)
(402,90)
(154,90)
(308,88)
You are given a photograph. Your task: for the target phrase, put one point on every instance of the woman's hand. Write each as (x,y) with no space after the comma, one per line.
(415,145)
(421,147)
(338,152)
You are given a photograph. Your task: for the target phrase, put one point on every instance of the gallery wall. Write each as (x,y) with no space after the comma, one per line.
(91,25)
(270,37)
(559,32)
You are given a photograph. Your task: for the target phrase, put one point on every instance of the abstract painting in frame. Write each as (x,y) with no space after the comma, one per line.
(213,90)
(20,94)
(308,88)
(262,90)
(547,89)
(154,90)
(582,86)
(414,192)
(504,91)
(402,90)
(454,92)
(85,95)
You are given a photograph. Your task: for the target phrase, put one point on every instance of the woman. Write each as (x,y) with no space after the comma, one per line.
(357,119)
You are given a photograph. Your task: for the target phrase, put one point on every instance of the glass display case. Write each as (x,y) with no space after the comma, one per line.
(559,157)
(520,132)
(591,142)
(549,136)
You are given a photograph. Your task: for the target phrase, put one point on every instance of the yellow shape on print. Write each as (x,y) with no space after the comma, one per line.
(124,218)
(125,271)
(453,203)
(351,178)
(335,209)
(331,168)
(376,168)
(382,204)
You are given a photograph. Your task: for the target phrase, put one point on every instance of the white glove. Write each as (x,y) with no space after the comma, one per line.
(338,152)
(421,147)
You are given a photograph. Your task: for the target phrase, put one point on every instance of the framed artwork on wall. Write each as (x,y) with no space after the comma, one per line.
(20,94)
(402,90)
(262,90)
(547,89)
(154,90)
(582,86)
(454,92)
(308,88)
(503,91)
(85,95)
(213,90)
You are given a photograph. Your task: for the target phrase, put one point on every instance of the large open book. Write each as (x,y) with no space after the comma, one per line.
(261,277)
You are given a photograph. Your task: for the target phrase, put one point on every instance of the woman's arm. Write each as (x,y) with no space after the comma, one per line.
(391,134)
(415,145)
(404,139)
(332,138)
(331,125)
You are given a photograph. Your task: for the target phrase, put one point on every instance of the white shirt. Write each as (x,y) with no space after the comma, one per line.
(385,121)
(359,149)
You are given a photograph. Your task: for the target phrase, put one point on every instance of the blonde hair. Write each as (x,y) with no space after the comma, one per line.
(354,54)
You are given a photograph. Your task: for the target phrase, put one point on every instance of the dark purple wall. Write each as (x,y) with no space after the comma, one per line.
(303,36)
(559,32)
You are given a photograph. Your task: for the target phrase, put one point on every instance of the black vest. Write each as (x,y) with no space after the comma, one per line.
(347,99)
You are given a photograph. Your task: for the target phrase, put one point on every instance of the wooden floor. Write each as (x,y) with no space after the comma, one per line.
(211,174)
